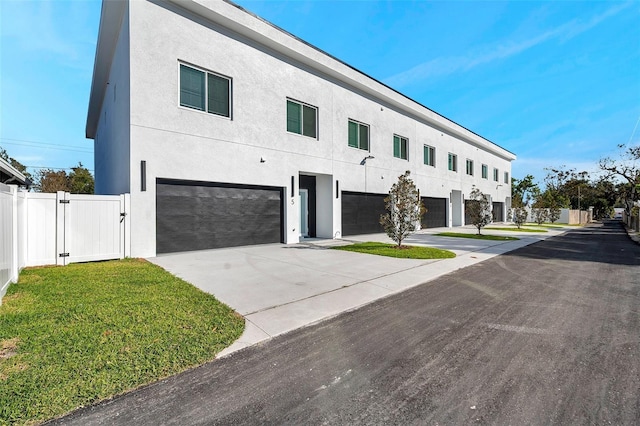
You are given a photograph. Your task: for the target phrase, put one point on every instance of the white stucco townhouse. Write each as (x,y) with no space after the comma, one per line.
(227,130)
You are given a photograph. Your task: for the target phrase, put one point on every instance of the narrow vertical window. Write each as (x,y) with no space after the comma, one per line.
(400,147)
(453,162)
(506,177)
(495,175)
(485,171)
(358,135)
(294,117)
(470,167)
(429,156)
(192,88)
(218,95)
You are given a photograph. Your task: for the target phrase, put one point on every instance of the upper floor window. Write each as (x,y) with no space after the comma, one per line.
(358,135)
(485,171)
(506,177)
(453,162)
(470,167)
(495,174)
(205,91)
(302,119)
(429,156)
(400,147)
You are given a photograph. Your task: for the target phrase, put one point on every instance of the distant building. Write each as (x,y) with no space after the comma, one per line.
(227,130)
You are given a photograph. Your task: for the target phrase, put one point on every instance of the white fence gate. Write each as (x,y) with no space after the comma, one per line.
(58,229)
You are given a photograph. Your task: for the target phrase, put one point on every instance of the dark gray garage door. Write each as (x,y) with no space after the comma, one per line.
(436,215)
(497,212)
(361,213)
(205,215)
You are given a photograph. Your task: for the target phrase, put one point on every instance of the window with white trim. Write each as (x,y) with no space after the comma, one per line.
(205,91)
(452,162)
(495,174)
(429,156)
(302,119)
(469,167)
(400,147)
(485,171)
(358,135)
(506,177)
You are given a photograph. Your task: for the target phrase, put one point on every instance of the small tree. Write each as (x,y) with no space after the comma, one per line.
(405,209)
(518,215)
(554,213)
(479,209)
(540,214)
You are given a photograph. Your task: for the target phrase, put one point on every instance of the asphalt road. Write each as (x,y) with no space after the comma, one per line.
(548,334)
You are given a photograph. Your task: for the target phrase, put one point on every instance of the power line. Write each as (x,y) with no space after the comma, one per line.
(37,143)
(44,145)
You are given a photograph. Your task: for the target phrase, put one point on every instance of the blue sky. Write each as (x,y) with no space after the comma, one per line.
(557,83)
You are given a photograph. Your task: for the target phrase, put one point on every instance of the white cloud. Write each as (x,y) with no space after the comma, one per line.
(452,64)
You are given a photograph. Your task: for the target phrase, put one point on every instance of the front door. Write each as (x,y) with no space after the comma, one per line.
(304,212)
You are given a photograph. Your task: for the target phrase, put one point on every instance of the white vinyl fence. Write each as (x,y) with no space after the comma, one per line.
(58,229)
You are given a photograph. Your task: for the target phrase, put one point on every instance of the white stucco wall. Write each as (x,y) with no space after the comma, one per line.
(183,143)
(111,144)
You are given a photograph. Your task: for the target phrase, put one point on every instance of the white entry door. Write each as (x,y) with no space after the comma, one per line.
(304,212)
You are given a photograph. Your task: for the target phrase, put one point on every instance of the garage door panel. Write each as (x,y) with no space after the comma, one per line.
(199,216)
(436,216)
(361,213)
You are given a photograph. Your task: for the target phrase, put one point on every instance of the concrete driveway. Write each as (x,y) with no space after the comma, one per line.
(279,288)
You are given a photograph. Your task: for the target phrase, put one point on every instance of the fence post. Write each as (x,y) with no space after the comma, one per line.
(13,273)
(61,222)
(127,225)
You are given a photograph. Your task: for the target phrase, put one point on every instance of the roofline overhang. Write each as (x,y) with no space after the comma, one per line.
(232,16)
(12,171)
(111,16)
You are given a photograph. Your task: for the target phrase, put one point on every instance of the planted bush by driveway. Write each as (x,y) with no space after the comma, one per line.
(73,335)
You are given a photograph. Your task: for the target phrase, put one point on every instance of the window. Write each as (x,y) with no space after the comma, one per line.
(453,162)
(302,119)
(400,145)
(429,156)
(205,91)
(506,177)
(485,171)
(495,174)
(469,167)
(358,135)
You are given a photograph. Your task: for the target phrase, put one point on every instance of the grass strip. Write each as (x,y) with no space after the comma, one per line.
(515,229)
(476,236)
(392,250)
(71,336)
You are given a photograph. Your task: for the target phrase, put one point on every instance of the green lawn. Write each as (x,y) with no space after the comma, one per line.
(476,236)
(391,250)
(546,225)
(515,228)
(73,335)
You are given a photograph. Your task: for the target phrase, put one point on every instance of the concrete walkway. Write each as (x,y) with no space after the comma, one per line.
(279,288)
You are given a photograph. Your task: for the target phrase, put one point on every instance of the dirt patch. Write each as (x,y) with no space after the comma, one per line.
(8,348)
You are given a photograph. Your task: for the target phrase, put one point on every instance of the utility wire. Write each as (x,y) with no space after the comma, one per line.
(44,145)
